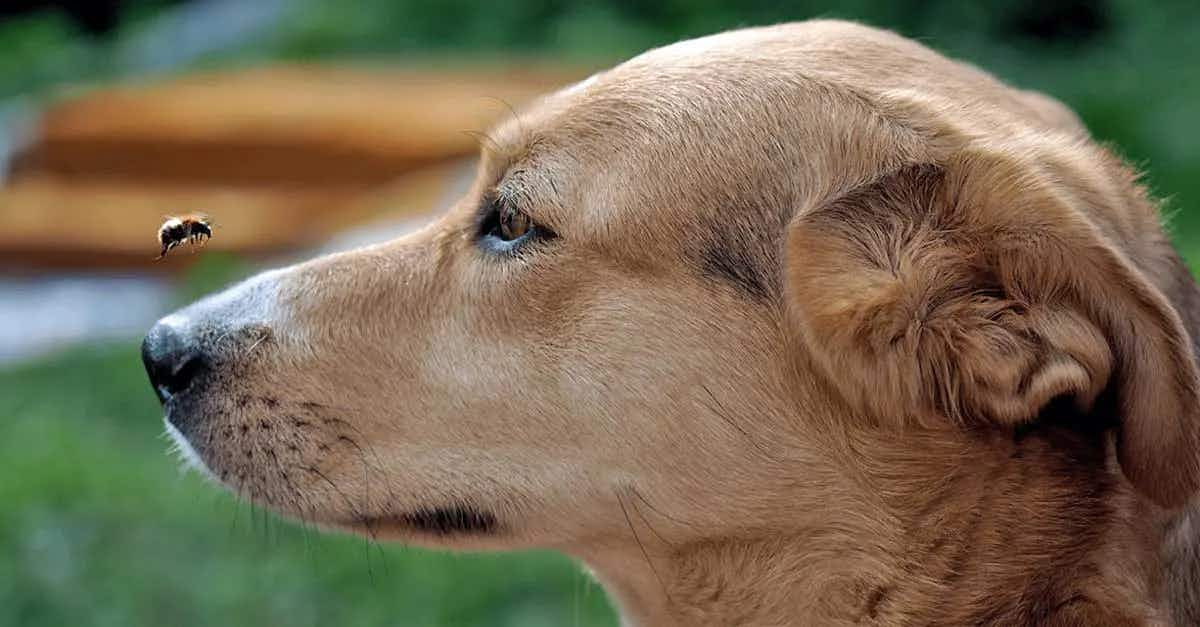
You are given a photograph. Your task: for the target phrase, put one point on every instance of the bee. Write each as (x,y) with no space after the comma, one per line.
(194,229)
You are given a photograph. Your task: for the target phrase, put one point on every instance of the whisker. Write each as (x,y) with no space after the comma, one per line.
(512,110)
(349,503)
(649,526)
(634,492)
(642,548)
(367,499)
(483,138)
(359,517)
(221,337)
(237,510)
(378,465)
(253,346)
(294,496)
(722,413)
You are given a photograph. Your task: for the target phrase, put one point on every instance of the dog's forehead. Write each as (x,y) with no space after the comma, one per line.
(717,124)
(659,86)
(692,87)
(641,128)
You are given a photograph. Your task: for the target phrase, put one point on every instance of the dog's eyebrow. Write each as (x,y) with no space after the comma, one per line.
(506,146)
(513,186)
(530,188)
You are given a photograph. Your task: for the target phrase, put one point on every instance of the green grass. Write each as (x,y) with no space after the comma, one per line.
(98,526)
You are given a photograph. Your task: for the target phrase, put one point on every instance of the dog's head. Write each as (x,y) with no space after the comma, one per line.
(676,287)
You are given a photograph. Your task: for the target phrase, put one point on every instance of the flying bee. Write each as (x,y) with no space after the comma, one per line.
(194,229)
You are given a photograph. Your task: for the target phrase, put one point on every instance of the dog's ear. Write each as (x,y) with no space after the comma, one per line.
(975,292)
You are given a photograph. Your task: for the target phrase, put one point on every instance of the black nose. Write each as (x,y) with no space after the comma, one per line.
(173,359)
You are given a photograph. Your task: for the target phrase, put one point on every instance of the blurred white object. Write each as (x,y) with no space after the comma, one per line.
(17,118)
(45,313)
(182,34)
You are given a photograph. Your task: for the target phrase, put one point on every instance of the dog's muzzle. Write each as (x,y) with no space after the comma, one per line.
(206,342)
(173,358)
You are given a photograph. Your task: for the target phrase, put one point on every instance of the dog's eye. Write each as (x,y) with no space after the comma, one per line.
(512,223)
(505,227)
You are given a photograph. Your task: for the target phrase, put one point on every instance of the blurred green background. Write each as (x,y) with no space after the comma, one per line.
(97,525)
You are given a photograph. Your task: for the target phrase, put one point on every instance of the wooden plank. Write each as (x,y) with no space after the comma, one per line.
(304,125)
(113,224)
(280,157)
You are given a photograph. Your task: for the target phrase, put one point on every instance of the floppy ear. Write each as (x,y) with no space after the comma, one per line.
(976,293)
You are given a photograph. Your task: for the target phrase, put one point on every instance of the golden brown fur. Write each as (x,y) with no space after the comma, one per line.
(832,330)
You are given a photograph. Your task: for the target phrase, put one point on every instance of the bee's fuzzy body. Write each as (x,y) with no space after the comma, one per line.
(177,230)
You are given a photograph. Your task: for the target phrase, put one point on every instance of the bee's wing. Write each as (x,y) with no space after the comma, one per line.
(201,217)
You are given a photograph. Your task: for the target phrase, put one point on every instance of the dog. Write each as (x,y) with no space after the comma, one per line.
(792,325)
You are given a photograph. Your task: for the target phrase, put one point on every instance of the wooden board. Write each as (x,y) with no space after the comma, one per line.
(280,157)
(105,224)
(302,125)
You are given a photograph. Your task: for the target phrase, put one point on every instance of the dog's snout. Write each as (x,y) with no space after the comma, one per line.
(183,349)
(173,359)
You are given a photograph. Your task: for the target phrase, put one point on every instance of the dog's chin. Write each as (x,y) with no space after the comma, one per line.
(449,524)
(189,459)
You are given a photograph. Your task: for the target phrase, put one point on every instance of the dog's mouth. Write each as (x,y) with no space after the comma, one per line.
(458,523)
(444,521)
(439,522)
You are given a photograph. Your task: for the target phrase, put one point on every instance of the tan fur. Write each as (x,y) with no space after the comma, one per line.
(833,330)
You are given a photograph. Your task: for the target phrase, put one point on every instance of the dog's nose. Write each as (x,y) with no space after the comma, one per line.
(173,359)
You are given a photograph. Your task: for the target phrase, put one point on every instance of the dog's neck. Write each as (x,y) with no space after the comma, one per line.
(981,528)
